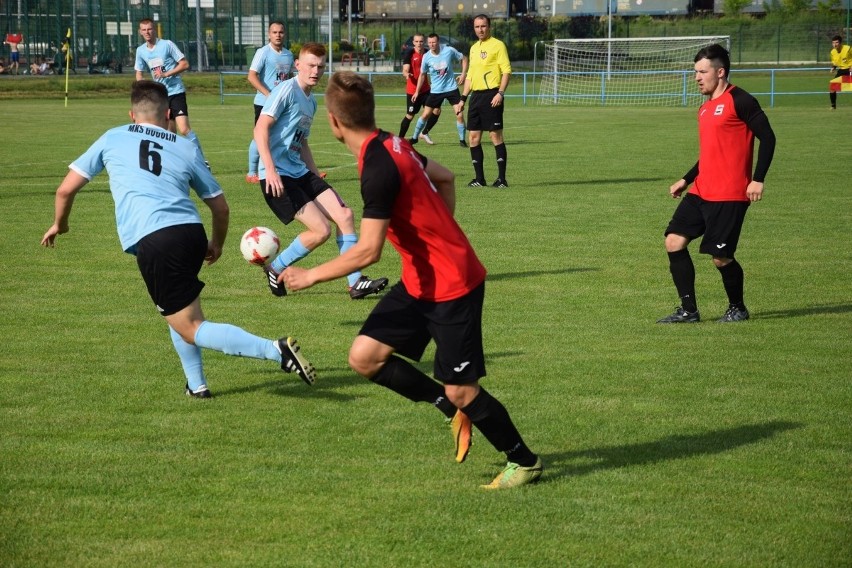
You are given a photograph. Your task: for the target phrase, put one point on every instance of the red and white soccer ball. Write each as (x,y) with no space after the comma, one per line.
(259,245)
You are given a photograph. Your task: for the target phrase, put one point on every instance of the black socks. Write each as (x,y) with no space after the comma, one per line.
(733,279)
(683,275)
(492,419)
(403,378)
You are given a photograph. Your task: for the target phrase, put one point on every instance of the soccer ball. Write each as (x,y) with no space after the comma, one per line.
(259,244)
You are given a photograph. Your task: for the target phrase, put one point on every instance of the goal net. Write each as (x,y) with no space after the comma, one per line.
(623,71)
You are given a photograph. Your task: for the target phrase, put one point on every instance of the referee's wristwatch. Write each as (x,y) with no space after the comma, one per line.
(502,96)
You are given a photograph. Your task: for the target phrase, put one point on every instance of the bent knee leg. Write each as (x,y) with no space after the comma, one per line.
(365,356)
(315,236)
(345,220)
(675,242)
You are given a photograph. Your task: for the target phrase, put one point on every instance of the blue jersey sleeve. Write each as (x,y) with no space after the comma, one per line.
(91,163)
(202,181)
(257,61)
(175,53)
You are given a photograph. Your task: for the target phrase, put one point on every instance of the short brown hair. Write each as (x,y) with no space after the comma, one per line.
(314,48)
(350,98)
(149,97)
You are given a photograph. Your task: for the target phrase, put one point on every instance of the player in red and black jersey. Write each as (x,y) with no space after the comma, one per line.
(410,200)
(411,60)
(716,205)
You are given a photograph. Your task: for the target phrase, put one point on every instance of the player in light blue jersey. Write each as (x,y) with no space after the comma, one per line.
(290,181)
(150,172)
(437,63)
(271,65)
(166,62)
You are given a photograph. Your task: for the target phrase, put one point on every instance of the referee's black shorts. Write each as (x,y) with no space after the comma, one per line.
(481,115)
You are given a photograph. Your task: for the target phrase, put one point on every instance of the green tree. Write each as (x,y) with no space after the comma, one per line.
(734,7)
(794,7)
(829,6)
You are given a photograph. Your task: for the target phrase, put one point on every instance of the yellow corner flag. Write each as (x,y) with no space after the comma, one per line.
(842,83)
(66,47)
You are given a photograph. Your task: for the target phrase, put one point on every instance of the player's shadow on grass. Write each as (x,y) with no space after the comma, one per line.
(583,462)
(494,276)
(561,183)
(531,142)
(809,311)
(326,387)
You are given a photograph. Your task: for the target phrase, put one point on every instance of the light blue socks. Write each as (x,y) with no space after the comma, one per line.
(231,340)
(253,158)
(344,243)
(421,124)
(296,251)
(190,360)
(291,254)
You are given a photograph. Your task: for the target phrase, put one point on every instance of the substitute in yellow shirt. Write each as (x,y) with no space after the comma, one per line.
(841,62)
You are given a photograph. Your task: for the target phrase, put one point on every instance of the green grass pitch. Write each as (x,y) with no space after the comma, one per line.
(708,444)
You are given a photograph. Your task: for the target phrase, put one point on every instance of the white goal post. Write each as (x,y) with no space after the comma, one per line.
(654,71)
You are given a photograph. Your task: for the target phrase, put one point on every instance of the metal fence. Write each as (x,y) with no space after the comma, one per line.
(770,85)
(223,29)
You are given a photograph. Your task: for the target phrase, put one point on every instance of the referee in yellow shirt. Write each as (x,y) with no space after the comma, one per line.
(487,79)
(841,62)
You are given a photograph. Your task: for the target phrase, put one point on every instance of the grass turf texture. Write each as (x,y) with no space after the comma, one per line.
(705,444)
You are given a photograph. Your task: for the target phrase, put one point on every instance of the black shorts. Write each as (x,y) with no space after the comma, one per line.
(435,100)
(408,324)
(719,221)
(298,192)
(481,115)
(170,260)
(257,109)
(413,107)
(177,105)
